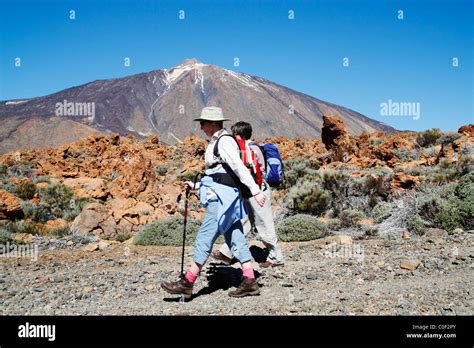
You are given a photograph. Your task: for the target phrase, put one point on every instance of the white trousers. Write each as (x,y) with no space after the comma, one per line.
(262,219)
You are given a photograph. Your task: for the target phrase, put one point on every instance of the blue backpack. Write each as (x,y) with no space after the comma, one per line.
(273,164)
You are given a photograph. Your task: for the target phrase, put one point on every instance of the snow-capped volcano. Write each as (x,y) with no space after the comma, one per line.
(164,102)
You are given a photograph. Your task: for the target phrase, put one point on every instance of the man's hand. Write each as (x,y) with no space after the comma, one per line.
(260,198)
(188,185)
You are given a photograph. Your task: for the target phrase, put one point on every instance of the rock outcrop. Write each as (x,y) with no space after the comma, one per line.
(10,207)
(467,130)
(336,138)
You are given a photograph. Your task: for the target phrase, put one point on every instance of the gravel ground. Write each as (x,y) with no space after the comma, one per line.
(322,277)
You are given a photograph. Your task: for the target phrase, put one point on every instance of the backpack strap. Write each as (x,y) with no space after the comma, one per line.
(216,147)
(243,189)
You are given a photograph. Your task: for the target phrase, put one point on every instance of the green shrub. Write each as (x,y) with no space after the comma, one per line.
(448,171)
(57,201)
(122,236)
(7,185)
(58,198)
(299,228)
(3,169)
(21,170)
(60,202)
(306,197)
(299,168)
(25,190)
(468,149)
(416,225)
(428,137)
(458,209)
(167,232)
(405,155)
(335,191)
(39,179)
(448,137)
(376,141)
(60,232)
(189,175)
(36,212)
(333,224)
(163,168)
(377,188)
(452,206)
(370,230)
(350,217)
(381,211)
(430,151)
(22,226)
(5,236)
(75,208)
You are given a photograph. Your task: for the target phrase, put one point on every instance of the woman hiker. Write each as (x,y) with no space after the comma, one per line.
(259,217)
(219,193)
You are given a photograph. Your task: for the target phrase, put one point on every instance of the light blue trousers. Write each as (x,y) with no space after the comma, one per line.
(208,233)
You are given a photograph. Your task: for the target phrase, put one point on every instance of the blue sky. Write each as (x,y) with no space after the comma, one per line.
(408,60)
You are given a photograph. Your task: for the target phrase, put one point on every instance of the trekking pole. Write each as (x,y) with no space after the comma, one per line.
(186,196)
(184,227)
(182,299)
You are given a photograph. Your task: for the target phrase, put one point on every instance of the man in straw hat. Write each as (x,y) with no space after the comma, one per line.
(219,192)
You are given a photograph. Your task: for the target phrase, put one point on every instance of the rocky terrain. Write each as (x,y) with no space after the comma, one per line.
(379,223)
(430,275)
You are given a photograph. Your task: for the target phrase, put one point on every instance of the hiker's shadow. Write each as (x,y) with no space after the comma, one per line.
(259,254)
(221,277)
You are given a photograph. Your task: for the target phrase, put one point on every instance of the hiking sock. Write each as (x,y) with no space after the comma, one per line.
(248,272)
(190,276)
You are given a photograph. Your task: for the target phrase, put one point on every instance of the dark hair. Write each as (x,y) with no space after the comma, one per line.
(243,129)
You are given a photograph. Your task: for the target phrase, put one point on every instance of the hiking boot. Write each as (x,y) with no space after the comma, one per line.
(269,264)
(179,287)
(217,255)
(248,287)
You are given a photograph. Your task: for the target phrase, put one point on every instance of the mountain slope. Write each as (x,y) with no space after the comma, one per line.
(164,102)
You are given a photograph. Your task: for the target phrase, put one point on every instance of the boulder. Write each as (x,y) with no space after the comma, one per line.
(88,187)
(91,247)
(10,207)
(104,244)
(52,225)
(336,138)
(410,265)
(109,228)
(436,233)
(402,181)
(467,130)
(90,218)
(23,238)
(125,226)
(446,152)
(398,141)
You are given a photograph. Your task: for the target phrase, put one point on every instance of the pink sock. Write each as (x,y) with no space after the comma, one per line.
(248,272)
(190,276)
